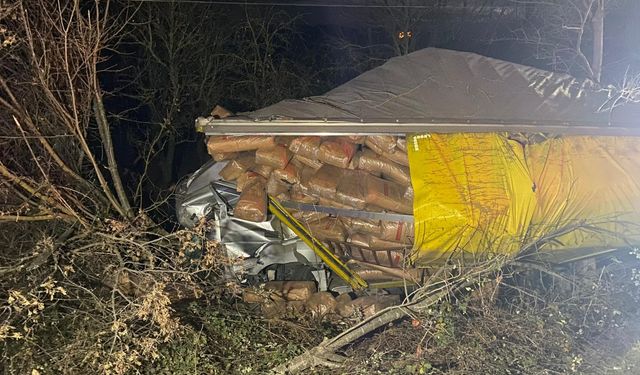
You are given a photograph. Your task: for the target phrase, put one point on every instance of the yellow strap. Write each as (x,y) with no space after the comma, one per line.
(333,262)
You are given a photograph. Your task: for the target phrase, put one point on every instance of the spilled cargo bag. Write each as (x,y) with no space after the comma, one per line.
(222,144)
(307,147)
(337,153)
(252,203)
(277,157)
(328,229)
(387,195)
(237,166)
(352,189)
(371,162)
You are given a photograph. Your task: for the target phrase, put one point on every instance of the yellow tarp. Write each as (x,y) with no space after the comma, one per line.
(588,187)
(472,192)
(484,193)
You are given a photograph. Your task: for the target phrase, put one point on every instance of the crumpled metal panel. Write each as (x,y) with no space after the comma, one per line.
(255,245)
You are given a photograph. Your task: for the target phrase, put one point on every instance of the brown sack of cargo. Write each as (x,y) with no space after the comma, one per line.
(277,157)
(237,166)
(351,189)
(225,156)
(223,144)
(306,146)
(252,204)
(288,174)
(387,195)
(356,225)
(371,162)
(397,231)
(337,153)
(381,143)
(325,181)
(328,229)
(247,179)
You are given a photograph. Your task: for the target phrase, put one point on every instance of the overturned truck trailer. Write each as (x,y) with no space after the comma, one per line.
(433,154)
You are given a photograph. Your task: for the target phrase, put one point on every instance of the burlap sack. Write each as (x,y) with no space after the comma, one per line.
(252,204)
(288,174)
(382,143)
(307,147)
(356,225)
(248,178)
(325,181)
(277,157)
(374,163)
(304,161)
(223,144)
(401,143)
(387,195)
(377,243)
(225,156)
(397,156)
(220,112)
(327,229)
(368,248)
(262,170)
(401,232)
(337,152)
(351,189)
(275,186)
(237,166)
(306,217)
(298,195)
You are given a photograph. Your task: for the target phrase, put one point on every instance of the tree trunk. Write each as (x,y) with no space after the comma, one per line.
(598,39)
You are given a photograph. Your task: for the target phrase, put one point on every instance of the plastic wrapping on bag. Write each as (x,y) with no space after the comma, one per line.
(237,166)
(472,192)
(224,156)
(308,216)
(378,243)
(222,144)
(262,170)
(328,229)
(277,157)
(311,163)
(351,189)
(587,187)
(401,143)
(388,195)
(397,156)
(307,147)
(288,174)
(356,225)
(299,194)
(401,232)
(275,187)
(325,181)
(248,178)
(252,203)
(371,162)
(337,153)
(369,249)
(382,143)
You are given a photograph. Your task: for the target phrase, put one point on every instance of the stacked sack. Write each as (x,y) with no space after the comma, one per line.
(354,172)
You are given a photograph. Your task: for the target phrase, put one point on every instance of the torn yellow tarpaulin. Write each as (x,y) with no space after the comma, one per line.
(484,193)
(472,192)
